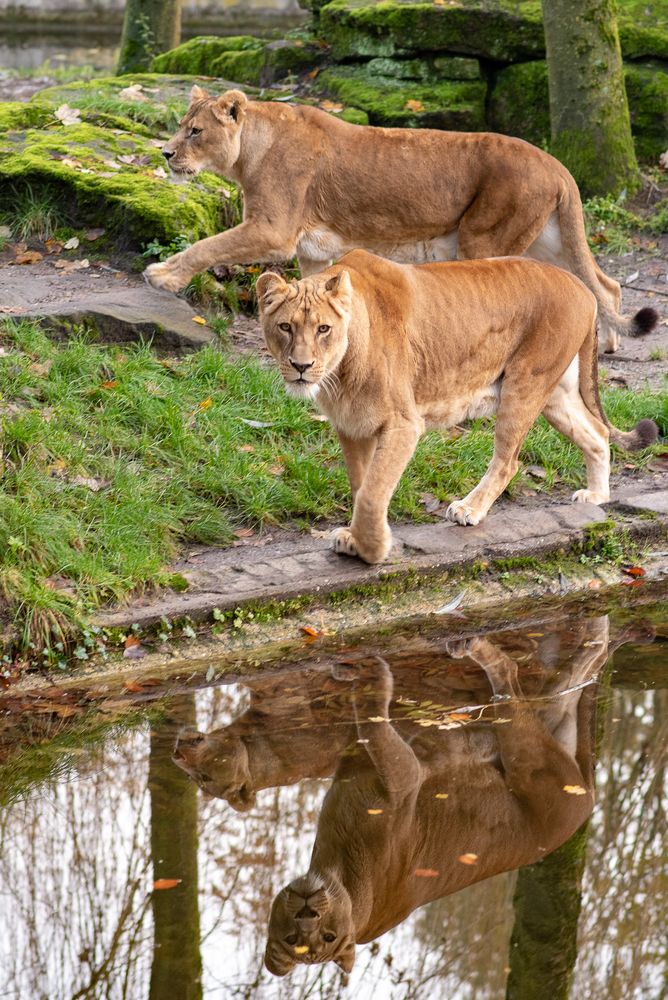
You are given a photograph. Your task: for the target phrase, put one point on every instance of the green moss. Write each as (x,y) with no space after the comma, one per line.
(160,105)
(647,91)
(198,55)
(519,103)
(289,58)
(242,67)
(14,115)
(427,70)
(78,166)
(387,101)
(643,28)
(354,115)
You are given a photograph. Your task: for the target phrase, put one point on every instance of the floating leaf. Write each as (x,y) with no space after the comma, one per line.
(575,789)
(468,859)
(167,883)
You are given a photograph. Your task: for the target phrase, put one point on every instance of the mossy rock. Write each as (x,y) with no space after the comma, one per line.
(198,55)
(499,30)
(502,31)
(447,105)
(79,168)
(290,57)
(647,90)
(519,105)
(429,70)
(162,99)
(244,66)
(18,115)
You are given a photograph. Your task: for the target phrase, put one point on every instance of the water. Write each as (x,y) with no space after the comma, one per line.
(503,835)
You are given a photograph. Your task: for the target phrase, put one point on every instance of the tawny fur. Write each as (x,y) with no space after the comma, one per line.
(389,351)
(317,187)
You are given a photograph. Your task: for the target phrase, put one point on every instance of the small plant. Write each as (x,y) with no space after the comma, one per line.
(657,354)
(610,225)
(35,214)
(162,252)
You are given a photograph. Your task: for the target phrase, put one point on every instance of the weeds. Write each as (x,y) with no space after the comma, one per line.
(34,214)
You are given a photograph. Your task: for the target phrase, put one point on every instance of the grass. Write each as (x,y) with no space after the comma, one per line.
(113,458)
(34,214)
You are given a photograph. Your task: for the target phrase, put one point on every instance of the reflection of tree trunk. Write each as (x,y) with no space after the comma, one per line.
(543,946)
(177,965)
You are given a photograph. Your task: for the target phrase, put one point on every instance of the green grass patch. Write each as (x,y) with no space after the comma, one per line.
(113,458)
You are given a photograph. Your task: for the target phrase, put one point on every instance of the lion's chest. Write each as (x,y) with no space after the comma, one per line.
(454,409)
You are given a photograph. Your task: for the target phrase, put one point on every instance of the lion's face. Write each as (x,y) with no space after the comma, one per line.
(310,922)
(305,325)
(219,765)
(209,134)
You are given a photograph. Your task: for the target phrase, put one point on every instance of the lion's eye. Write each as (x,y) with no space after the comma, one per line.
(194,132)
(285,327)
(323,328)
(329,937)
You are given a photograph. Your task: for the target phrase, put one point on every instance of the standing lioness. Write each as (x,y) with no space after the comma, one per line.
(316,187)
(389,351)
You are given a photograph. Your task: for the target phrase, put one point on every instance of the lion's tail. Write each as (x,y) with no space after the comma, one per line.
(606,290)
(645,431)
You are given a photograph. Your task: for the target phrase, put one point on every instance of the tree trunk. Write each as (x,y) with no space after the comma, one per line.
(149,27)
(176,971)
(589,112)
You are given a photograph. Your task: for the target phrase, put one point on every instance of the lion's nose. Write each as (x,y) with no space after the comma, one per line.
(300,367)
(168,154)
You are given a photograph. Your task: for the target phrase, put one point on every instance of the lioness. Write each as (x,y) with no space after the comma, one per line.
(316,186)
(389,350)
(414,814)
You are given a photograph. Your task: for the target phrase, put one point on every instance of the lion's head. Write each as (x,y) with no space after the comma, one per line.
(219,764)
(209,134)
(305,325)
(311,922)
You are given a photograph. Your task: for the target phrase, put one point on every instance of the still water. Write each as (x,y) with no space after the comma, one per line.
(427,817)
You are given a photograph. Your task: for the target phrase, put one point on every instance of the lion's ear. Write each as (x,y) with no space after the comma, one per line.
(346,959)
(232,104)
(198,94)
(271,290)
(340,290)
(278,963)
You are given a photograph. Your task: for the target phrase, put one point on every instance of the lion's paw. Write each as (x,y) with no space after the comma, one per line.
(343,542)
(589,496)
(461,513)
(162,276)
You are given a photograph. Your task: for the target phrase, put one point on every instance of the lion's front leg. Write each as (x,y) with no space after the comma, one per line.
(369,535)
(249,242)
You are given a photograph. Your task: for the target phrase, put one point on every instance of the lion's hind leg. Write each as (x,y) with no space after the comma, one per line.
(567,412)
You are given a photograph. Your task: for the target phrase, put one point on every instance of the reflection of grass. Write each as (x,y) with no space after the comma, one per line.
(112,458)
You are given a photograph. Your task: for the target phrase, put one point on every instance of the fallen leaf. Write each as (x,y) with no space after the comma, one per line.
(320,417)
(68,115)
(468,859)
(94,485)
(536,471)
(110,383)
(426,873)
(94,234)
(167,883)
(633,570)
(246,447)
(134,686)
(659,462)
(309,630)
(378,718)
(452,605)
(632,277)
(67,266)
(276,470)
(414,105)
(430,502)
(594,585)
(135,160)
(28,257)
(112,166)
(206,404)
(134,653)
(375,812)
(160,172)
(575,789)
(256,423)
(71,244)
(460,717)
(331,106)
(243,533)
(199,319)
(53,246)
(132,93)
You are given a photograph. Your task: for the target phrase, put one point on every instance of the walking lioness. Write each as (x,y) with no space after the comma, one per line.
(316,187)
(390,350)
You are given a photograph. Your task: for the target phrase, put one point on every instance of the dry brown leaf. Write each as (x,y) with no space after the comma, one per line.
(309,630)
(68,115)
(243,533)
(28,257)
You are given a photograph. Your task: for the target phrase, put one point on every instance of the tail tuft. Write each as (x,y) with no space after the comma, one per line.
(642,436)
(644,321)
